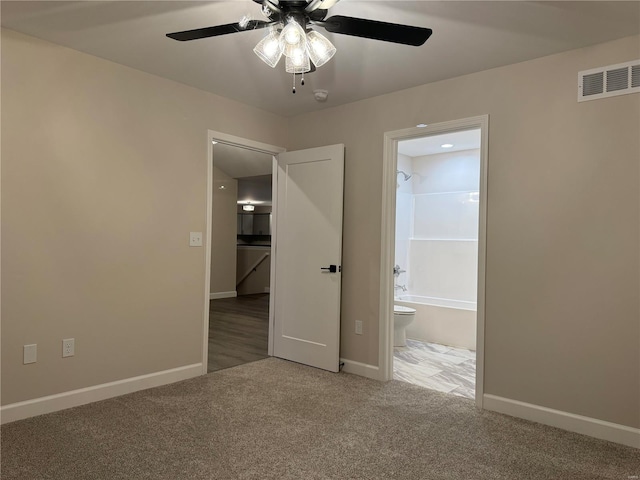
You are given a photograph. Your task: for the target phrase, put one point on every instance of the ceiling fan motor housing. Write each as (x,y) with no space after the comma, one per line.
(294,9)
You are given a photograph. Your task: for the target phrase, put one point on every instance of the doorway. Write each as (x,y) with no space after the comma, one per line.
(238,314)
(241,248)
(433,236)
(306,217)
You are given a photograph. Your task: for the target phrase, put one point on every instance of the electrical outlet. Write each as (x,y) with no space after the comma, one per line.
(359,327)
(68,347)
(195,239)
(29,353)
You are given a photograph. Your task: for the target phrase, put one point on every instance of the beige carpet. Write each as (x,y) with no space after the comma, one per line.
(274,419)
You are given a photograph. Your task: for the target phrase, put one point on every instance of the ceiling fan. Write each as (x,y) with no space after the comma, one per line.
(291,35)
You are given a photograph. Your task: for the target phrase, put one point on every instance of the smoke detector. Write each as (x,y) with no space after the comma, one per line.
(321,95)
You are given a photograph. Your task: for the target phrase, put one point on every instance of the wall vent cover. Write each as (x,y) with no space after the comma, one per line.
(609,81)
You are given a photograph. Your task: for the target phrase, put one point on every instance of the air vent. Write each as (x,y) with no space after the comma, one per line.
(593,84)
(617,79)
(609,81)
(635,76)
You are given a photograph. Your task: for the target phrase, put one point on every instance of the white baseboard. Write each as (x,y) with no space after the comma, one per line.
(74,398)
(362,369)
(217,295)
(593,427)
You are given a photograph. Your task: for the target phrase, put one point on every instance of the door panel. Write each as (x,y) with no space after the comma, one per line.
(309,226)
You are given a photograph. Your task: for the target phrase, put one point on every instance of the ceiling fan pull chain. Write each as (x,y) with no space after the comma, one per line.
(302,79)
(294,83)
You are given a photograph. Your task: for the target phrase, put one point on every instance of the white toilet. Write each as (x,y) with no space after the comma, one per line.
(402,317)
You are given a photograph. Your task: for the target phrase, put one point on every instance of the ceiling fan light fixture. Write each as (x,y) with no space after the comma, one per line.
(321,50)
(292,38)
(292,33)
(269,49)
(298,62)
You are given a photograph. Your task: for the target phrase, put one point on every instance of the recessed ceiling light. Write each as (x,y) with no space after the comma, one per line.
(422,125)
(446,145)
(221,187)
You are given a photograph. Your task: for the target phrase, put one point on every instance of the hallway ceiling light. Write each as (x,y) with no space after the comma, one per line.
(248,208)
(290,33)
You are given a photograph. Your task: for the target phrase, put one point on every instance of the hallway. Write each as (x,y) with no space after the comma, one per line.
(238,330)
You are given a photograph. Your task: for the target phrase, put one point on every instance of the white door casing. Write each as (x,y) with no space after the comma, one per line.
(387,231)
(309,225)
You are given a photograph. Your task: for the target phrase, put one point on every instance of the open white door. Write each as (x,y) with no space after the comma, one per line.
(309,256)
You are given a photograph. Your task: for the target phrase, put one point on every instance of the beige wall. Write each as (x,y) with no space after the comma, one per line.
(224,228)
(562,305)
(104,175)
(259,280)
(104,172)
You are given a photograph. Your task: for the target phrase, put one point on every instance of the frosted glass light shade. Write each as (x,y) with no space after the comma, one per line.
(320,48)
(298,62)
(269,49)
(292,38)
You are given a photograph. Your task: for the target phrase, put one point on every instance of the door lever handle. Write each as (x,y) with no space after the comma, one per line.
(332,268)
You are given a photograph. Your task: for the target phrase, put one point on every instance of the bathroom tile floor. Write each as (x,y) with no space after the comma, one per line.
(438,367)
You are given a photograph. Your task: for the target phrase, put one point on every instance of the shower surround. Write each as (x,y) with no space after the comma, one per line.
(437,244)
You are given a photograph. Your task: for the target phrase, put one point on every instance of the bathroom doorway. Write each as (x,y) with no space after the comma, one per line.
(435,256)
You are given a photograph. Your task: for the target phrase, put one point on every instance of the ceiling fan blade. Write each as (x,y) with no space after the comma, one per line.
(217,30)
(270,5)
(387,32)
(327,4)
(319,4)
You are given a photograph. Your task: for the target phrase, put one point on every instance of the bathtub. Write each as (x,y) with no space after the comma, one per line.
(441,320)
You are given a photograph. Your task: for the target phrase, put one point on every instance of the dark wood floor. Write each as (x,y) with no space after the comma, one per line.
(238,330)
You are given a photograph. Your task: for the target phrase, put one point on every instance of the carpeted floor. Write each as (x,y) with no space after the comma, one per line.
(274,419)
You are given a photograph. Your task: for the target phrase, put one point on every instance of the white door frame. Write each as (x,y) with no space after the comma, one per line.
(387,229)
(249,145)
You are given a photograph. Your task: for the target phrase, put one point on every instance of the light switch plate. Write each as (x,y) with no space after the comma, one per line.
(358,327)
(195,239)
(30,353)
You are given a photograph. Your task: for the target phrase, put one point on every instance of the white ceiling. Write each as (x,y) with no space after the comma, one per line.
(416,147)
(256,190)
(252,169)
(241,162)
(468,37)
